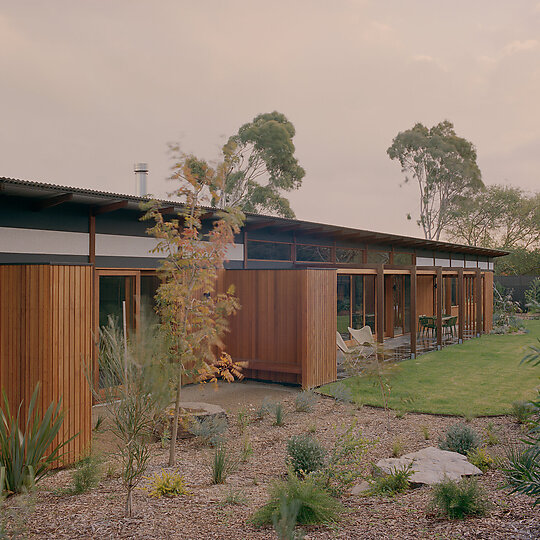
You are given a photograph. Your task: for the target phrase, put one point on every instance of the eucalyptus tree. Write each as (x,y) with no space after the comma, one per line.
(259,165)
(444,168)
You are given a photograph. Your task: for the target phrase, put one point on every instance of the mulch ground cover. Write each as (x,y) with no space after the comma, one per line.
(204,514)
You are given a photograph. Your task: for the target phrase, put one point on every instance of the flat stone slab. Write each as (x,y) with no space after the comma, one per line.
(431,466)
(190,410)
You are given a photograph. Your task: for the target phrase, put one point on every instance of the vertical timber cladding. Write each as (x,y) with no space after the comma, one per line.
(488,301)
(286,326)
(321,362)
(46,337)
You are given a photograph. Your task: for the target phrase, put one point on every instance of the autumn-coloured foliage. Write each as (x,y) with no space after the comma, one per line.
(193,314)
(224,368)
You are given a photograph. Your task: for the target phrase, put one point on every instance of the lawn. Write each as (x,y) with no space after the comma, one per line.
(480,377)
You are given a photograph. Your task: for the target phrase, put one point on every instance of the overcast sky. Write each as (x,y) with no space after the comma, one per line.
(89,88)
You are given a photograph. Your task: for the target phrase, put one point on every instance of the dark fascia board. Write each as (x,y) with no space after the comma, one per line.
(95,197)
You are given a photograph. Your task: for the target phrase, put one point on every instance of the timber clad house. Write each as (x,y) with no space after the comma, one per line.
(70,257)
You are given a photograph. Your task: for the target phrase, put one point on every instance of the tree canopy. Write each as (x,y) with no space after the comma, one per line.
(444,166)
(503,217)
(259,165)
(499,216)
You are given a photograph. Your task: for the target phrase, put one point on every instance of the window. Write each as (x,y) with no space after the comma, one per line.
(403,259)
(268,251)
(355,302)
(343,304)
(349,256)
(378,257)
(307,253)
(149,287)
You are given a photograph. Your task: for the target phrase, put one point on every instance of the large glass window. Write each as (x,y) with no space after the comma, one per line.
(357,306)
(349,256)
(307,253)
(113,292)
(149,287)
(369,301)
(403,259)
(378,257)
(343,305)
(355,302)
(268,251)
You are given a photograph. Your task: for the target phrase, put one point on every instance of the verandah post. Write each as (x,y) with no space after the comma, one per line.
(439,284)
(478,300)
(461,305)
(413,314)
(380,303)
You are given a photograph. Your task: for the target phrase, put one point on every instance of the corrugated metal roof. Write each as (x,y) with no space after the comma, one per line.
(26,188)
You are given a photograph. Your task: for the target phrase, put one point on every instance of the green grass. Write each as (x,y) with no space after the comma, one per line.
(480,377)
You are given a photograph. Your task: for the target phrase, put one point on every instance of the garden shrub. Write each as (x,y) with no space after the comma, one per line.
(167,485)
(532,296)
(305,401)
(306,454)
(243,419)
(491,438)
(209,430)
(523,471)
(86,475)
(425,432)
(279,413)
(397,447)
(390,484)
(344,461)
(222,464)
(315,504)
(481,458)
(342,393)
(285,521)
(247,450)
(26,456)
(504,312)
(267,406)
(234,497)
(460,438)
(456,500)
(521,465)
(522,411)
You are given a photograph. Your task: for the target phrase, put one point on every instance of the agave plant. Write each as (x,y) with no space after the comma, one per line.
(24,455)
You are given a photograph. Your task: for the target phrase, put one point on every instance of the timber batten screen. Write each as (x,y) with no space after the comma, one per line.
(46,336)
(286,326)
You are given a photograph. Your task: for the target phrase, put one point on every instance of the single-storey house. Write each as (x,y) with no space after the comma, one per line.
(69,257)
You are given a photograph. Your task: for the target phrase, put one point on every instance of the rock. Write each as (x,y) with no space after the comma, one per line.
(358,489)
(431,466)
(190,410)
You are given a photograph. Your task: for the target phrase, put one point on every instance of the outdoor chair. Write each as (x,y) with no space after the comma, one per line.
(345,348)
(364,338)
(425,324)
(354,357)
(450,324)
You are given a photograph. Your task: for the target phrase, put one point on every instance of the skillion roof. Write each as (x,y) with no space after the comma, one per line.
(44,195)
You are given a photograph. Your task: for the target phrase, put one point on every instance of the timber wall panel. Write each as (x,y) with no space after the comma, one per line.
(285,325)
(425,298)
(321,365)
(45,337)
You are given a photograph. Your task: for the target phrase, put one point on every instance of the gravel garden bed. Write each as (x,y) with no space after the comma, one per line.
(205,513)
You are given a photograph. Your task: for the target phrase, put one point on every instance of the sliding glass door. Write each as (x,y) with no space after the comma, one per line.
(355,302)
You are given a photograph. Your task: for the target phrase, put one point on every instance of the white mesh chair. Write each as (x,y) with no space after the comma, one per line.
(364,338)
(345,348)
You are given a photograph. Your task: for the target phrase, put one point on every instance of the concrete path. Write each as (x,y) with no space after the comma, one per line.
(234,396)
